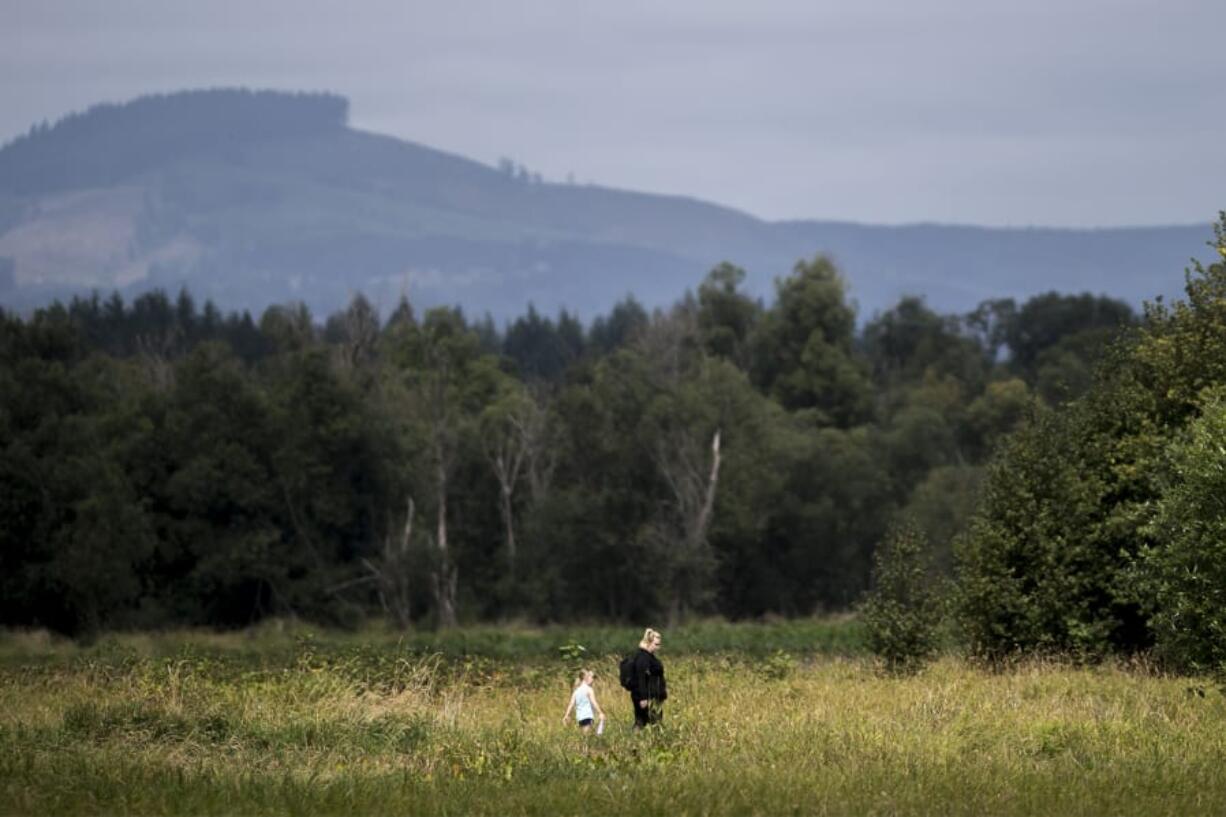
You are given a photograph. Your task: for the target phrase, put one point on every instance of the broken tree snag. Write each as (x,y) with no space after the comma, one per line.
(391,574)
(682,531)
(445,573)
(708,505)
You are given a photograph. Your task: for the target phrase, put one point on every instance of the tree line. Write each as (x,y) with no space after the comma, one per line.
(165,464)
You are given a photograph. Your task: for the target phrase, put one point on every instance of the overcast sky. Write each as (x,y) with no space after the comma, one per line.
(1044,112)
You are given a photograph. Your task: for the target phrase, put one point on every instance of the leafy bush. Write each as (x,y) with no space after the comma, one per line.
(777,666)
(903,610)
(1052,560)
(1185,570)
(1040,567)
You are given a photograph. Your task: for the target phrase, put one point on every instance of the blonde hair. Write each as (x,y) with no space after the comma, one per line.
(583,673)
(648,635)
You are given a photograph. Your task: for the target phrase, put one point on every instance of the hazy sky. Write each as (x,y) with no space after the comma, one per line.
(1044,112)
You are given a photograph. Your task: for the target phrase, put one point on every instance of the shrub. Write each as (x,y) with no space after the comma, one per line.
(777,666)
(902,612)
(1050,562)
(1184,571)
(1040,566)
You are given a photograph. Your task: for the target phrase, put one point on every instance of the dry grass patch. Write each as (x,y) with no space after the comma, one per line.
(378,731)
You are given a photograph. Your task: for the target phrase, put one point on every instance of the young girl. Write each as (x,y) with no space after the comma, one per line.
(583,701)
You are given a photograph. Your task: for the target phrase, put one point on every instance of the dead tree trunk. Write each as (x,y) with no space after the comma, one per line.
(391,574)
(508,521)
(533,425)
(505,451)
(515,441)
(445,574)
(156,354)
(693,490)
(698,532)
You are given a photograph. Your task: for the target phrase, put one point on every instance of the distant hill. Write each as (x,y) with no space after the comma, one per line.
(252,198)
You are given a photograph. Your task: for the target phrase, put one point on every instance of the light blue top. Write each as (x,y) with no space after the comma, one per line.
(582,698)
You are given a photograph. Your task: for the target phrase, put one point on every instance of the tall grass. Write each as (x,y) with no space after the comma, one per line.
(204,724)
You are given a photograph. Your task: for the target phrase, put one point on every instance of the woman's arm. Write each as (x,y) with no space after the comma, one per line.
(591,696)
(642,676)
(569,706)
(643,672)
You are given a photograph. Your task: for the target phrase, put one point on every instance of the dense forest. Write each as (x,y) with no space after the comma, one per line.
(164,463)
(1060,460)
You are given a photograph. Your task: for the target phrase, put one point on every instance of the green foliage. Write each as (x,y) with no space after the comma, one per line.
(1003,406)
(573,655)
(777,666)
(941,506)
(903,611)
(1048,563)
(162,464)
(910,340)
(572,652)
(1034,569)
(541,349)
(803,346)
(1184,570)
(625,321)
(726,316)
(1053,320)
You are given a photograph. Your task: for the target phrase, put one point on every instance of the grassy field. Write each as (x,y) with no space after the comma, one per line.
(783,718)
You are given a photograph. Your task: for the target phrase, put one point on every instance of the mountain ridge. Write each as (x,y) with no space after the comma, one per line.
(268,197)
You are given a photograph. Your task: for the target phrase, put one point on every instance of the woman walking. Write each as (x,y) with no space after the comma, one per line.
(648,690)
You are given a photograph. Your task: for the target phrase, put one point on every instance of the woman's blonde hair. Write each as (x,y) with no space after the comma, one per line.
(648,635)
(583,673)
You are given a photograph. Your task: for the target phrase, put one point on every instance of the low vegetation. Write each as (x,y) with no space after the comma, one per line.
(286,720)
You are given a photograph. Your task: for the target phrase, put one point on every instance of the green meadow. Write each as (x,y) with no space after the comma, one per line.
(777,718)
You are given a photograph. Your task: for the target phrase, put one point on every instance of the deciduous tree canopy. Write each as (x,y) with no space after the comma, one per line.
(163,463)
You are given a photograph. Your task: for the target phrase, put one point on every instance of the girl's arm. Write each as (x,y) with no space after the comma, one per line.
(595,704)
(569,706)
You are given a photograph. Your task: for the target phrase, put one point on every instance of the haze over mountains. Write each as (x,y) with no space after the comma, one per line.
(253,198)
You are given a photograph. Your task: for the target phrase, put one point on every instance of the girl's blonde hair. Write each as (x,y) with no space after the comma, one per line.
(648,635)
(583,673)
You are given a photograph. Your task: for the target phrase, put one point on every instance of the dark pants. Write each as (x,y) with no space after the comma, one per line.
(647,715)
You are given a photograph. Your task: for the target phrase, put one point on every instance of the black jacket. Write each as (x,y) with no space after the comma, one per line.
(649,681)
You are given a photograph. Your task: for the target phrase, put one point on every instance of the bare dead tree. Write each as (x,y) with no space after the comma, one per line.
(360,334)
(506,453)
(444,577)
(514,438)
(436,404)
(391,573)
(533,425)
(692,484)
(156,352)
(666,342)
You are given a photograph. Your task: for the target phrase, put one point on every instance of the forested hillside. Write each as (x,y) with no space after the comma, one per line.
(164,463)
(111,143)
(254,198)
